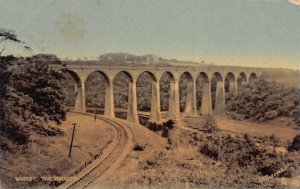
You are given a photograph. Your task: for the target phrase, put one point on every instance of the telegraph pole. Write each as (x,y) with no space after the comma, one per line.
(95,114)
(74,127)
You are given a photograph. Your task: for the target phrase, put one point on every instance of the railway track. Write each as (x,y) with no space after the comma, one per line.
(102,165)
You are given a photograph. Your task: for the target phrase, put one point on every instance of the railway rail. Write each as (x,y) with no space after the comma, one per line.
(102,165)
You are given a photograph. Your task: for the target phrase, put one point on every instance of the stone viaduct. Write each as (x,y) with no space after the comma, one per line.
(80,72)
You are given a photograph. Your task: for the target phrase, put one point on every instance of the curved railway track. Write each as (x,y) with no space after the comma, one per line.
(97,169)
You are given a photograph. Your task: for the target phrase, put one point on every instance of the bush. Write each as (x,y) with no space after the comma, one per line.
(165,132)
(240,154)
(261,100)
(169,124)
(154,126)
(138,147)
(210,125)
(248,138)
(271,114)
(296,114)
(274,140)
(210,151)
(295,146)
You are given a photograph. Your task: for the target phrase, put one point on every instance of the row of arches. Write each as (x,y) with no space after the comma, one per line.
(185,94)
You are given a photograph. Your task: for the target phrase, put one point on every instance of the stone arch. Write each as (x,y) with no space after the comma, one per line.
(242,79)
(203,75)
(144,83)
(122,93)
(230,75)
(230,83)
(170,74)
(188,75)
(153,77)
(242,76)
(101,73)
(203,93)
(252,76)
(148,96)
(166,84)
(217,92)
(130,77)
(74,75)
(186,83)
(76,97)
(217,76)
(97,85)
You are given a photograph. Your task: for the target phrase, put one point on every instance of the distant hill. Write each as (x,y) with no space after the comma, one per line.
(284,77)
(130,59)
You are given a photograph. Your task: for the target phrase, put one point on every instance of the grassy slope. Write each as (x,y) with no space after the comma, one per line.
(183,165)
(48,156)
(288,81)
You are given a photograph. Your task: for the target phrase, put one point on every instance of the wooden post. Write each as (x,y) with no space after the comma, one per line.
(74,126)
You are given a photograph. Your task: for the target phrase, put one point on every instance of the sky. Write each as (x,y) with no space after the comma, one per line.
(256,33)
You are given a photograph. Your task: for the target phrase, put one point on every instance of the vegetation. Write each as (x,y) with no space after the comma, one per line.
(214,160)
(9,35)
(169,124)
(295,146)
(138,147)
(242,154)
(154,126)
(31,95)
(262,100)
(210,125)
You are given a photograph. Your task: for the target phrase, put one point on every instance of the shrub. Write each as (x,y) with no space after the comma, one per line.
(138,147)
(154,126)
(165,132)
(210,125)
(261,100)
(239,154)
(169,124)
(295,146)
(248,138)
(295,113)
(210,151)
(274,140)
(270,167)
(271,114)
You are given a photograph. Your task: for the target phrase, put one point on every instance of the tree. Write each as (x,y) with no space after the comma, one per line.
(295,146)
(30,95)
(262,100)
(35,79)
(9,35)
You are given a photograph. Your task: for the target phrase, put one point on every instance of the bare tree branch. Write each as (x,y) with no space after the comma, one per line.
(9,35)
(3,48)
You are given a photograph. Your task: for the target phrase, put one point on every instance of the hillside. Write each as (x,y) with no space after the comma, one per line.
(48,156)
(196,159)
(133,60)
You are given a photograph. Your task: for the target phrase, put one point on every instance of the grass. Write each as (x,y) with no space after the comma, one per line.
(288,81)
(48,156)
(182,165)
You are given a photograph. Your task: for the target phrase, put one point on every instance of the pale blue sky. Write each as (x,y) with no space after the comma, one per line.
(241,32)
